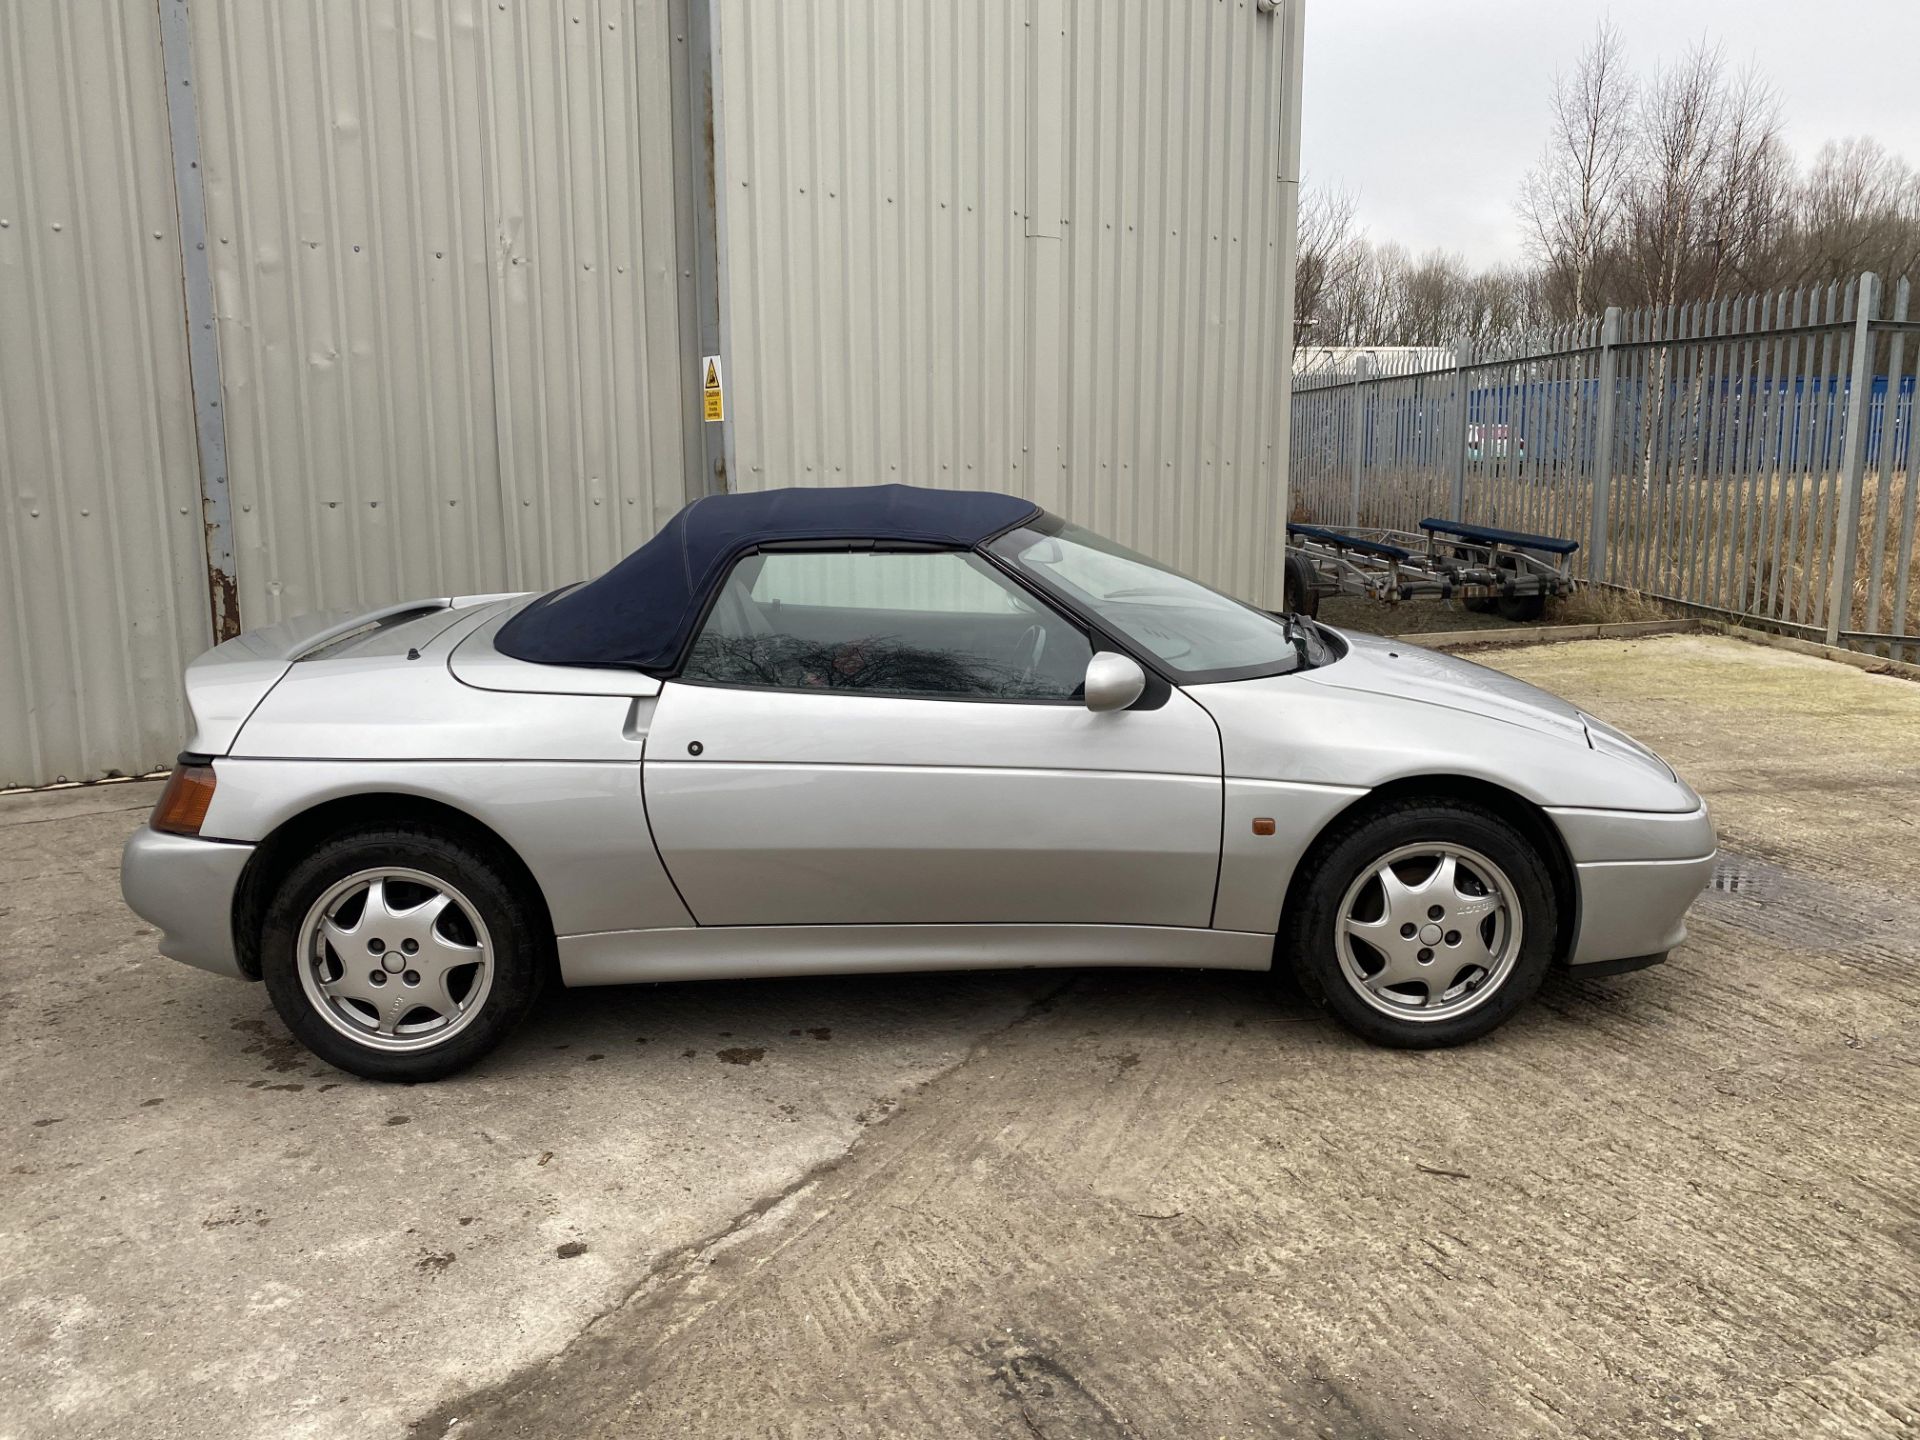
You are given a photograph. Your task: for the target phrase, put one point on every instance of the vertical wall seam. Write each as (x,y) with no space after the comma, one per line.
(204,368)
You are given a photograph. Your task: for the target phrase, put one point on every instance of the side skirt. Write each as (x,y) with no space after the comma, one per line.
(623,957)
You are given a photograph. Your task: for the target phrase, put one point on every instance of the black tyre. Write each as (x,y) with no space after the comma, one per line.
(1522,609)
(402,953)
(1422,923)
(1301,596)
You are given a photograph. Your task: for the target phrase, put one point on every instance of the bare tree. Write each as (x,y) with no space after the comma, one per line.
(1331,249)
(1674,123)
(1571,200)
(1661,192)
(1749,199)
(1858,209)
(1708,191)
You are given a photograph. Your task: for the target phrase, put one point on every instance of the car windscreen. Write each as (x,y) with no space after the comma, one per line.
(1193,631)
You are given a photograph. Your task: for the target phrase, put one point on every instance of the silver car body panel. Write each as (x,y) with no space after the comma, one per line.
(1612,836)
(812,832)
(580,828)
(1384,668)
(1636,907)
(475,662)
(1255,869)
(385,706)
(225,685)
(186,887)
(775,807)
(759,950)
(1354,723)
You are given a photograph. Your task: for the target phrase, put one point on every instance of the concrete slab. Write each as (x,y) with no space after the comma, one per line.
(206,1232)
(1090,1203)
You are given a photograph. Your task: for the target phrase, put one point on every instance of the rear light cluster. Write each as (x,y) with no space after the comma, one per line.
(183,804)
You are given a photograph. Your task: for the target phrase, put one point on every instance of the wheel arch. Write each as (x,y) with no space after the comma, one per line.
(1523,814)
(299,834)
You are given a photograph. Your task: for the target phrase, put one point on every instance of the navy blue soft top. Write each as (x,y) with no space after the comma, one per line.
(642,612)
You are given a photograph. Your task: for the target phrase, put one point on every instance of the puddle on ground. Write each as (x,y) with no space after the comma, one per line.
(1791,908)
(1736,875)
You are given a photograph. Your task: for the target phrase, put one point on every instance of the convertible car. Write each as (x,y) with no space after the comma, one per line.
(810,731)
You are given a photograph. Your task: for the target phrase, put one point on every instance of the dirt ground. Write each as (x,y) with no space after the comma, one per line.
(1085,1203)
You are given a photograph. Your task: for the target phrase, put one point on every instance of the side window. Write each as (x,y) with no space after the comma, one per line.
(923,625)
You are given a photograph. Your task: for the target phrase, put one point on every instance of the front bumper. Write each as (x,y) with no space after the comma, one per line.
(186,887)
(1630,908)
(1637,874)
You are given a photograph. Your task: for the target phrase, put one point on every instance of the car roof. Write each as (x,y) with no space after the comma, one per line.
(642,612)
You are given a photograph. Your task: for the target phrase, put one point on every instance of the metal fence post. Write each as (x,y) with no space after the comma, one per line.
(1853,454)
(1457,492)
(1361,367)
(1600,488)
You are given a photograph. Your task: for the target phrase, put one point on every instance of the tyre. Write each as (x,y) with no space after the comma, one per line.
(402,953)
(1423,923)
(1521,609)
(1301,597)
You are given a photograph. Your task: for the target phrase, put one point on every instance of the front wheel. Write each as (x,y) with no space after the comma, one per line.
(401,953)
(1423,924)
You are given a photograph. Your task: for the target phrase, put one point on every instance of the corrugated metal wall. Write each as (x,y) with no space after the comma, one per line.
(463,252)
(444,246)
(1043,247)
(104,578)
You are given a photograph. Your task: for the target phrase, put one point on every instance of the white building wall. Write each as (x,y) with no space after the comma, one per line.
(1043,246)
(103,583)
(444,246)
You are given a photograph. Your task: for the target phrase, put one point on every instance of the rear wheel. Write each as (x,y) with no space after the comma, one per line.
(1424,923)
(401,953)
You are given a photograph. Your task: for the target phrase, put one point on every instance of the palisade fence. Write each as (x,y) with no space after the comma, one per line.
(1750,457)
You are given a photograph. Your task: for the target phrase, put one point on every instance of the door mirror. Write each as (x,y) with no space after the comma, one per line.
(1113,681)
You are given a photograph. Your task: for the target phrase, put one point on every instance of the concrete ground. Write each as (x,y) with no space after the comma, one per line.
(1685,1202)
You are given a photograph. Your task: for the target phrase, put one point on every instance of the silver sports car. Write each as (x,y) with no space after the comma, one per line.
(810,731)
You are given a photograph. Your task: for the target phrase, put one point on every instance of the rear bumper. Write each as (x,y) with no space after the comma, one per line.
(186,887)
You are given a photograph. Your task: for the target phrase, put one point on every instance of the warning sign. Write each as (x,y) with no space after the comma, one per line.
(713,400)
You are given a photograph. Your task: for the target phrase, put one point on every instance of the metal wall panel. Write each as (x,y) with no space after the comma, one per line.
(445,262)
(102,562)
(1039,245)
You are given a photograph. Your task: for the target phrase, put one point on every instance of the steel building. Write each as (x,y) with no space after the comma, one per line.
(330,303)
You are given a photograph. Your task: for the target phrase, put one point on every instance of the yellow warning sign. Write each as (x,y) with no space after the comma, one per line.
(714,402)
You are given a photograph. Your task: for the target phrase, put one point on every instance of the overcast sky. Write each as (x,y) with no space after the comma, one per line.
(1432,113)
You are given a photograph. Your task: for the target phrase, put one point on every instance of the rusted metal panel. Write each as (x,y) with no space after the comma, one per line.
(893,312)
(203,346)
(102,562)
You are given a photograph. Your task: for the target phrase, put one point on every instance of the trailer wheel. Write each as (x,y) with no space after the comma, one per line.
(1301,596)
(1521,609)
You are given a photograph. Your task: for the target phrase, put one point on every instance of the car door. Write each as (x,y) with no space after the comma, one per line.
(863,737)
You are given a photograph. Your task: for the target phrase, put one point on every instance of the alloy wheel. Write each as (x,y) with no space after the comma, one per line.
(395,959)
(1429,931)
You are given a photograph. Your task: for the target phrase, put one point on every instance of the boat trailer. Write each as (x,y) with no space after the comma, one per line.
(1486,568)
